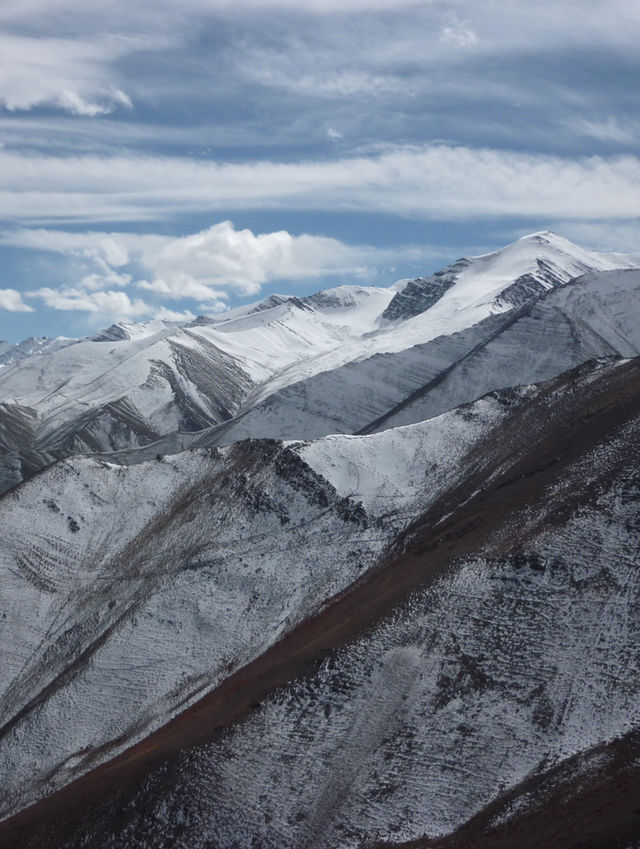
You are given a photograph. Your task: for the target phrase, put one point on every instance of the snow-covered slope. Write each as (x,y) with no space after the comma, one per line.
(508,277)
(325,641)
(478,287)
(137,384)
(496,636)
(595,315)
(147,585)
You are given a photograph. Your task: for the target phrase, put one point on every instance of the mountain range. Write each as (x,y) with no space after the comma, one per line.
(357,569)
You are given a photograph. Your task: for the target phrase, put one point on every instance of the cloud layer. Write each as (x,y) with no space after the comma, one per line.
(64,73)
(432,182)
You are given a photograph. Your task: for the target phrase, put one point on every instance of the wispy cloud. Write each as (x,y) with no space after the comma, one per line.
(432,182)
(206,108)
(622,236)
(109,303)
(608,129)
(68,74)
(285,59)
(460,35)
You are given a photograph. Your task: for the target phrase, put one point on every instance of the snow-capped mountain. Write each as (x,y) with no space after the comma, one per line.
(135,385)
(358,569)
(595,315)
(509,277)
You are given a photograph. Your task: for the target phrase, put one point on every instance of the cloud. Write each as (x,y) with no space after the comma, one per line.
(407,71)
(12,301)
(106,249)
(108,303)
(438,182)
(72,75)
(103,306)
(609,129)
(98,282)
(459,33)
(223,258)
(207,266)
(167,314)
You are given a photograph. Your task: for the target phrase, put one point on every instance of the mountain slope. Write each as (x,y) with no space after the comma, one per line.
(161,558)
(511,276)
(33,346)
(504,631)
(423,636)
(595,315)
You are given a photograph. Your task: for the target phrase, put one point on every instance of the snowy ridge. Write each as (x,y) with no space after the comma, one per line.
(503,278)
(596,315)
(31,347)
(134,384)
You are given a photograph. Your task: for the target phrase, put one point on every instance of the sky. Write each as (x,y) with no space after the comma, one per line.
(171,159)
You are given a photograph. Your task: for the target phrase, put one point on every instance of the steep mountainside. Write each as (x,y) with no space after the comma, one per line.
(504,642)
(166,555)
(514,275)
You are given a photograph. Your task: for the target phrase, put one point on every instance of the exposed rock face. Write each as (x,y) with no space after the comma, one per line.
(530,286)
(423,292)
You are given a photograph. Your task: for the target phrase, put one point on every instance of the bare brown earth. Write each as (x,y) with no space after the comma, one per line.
(544,438)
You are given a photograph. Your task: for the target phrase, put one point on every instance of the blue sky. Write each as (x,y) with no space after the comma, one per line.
(174,159)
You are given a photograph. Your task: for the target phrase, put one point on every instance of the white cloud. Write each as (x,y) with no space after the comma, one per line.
(220,258)
(71,74)
(12,301)
(107,303)
(459,33)
(109,250)
(173,315)
(434,182)
(205,266)
(99,281)
(325,58)
(71,101)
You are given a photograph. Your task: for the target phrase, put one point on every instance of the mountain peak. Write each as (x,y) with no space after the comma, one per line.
(503,278)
